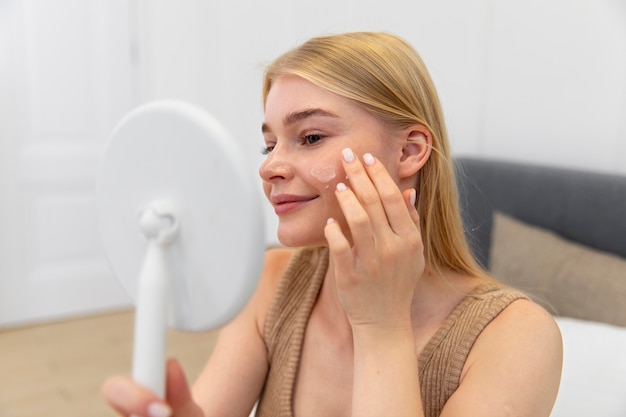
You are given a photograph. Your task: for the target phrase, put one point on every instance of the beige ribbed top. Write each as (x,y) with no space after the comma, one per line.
(440,363)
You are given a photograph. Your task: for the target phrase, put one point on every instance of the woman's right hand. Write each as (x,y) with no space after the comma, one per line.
(129,399)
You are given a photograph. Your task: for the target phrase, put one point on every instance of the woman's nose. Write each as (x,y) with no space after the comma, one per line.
(276,167)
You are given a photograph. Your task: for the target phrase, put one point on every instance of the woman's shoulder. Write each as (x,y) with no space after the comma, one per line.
(274,266)
(277,260)
(515,363)
(519,317)
(523,332)
(524,315)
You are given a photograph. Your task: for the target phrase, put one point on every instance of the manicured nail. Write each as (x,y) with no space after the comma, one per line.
(348,155)
(330,220)
(159,410)
(368,159)
(341,186)
(412,196)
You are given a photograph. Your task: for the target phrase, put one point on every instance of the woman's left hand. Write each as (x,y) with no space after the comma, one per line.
(379,259)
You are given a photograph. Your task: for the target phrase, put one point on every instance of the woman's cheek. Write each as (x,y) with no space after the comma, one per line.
(328,174)
(324,174)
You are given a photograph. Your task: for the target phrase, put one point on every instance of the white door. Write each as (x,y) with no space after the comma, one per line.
(66,77)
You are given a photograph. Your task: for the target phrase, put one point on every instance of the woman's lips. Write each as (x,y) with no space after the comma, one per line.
(285,203)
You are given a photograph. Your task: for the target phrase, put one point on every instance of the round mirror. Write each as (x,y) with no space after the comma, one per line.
(175,202)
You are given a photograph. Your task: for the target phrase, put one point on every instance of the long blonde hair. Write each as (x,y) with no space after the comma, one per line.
(384,74)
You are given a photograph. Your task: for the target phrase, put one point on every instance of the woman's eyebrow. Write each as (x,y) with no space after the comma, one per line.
(297,116)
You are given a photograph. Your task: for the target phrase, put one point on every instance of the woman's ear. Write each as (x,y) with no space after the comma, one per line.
(417,144)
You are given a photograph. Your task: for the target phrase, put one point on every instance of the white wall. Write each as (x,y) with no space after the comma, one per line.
(535,80)
(65,80)
(539,80)
(557,84)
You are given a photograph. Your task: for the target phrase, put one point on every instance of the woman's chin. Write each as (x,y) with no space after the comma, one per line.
(296,239)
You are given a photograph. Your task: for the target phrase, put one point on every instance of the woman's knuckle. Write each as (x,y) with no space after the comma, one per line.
(361,221)
(390,195)
(369,199)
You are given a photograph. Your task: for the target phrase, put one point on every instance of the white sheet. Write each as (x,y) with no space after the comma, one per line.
(594,370)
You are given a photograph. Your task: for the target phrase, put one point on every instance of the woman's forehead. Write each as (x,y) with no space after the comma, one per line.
(293,98)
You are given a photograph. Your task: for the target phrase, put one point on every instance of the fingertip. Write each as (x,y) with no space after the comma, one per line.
(348,155)
(369,159)
(328,229)
(158,409)
(173,366)
(412,197)
(178,390)
(179,396)
(112,388)
(125,397)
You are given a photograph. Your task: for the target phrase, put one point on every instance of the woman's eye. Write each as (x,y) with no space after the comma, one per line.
(311,139)
(305,139)
(266,150)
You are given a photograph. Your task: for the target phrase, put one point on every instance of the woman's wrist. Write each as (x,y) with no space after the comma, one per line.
(381,333)
(386,380)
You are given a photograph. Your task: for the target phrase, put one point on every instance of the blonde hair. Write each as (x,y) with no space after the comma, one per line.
(384,74)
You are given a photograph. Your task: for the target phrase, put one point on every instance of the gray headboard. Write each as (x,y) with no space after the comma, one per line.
(585,207)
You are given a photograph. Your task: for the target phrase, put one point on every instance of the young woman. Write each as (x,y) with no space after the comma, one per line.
(380,310)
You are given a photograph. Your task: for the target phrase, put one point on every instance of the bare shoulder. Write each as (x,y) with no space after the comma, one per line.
(274,267)
(514,365)
(276,261)
(239,359)
(522,323)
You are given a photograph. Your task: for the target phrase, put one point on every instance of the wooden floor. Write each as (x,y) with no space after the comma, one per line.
(56,370)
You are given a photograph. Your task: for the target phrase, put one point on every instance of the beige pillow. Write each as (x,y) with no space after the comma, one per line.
(567,278)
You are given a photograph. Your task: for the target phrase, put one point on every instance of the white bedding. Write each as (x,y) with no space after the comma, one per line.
(594,370)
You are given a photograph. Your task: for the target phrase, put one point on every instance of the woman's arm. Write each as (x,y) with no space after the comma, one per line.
(513,369)
(377,264)
(234,375)
(232,380)
(386,381)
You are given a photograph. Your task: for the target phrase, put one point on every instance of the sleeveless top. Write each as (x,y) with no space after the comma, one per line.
(440,363)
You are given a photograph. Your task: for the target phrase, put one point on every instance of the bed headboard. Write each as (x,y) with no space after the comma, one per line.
(588,208)
(585,207)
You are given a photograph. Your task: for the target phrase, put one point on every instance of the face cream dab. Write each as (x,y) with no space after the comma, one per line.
(324,174)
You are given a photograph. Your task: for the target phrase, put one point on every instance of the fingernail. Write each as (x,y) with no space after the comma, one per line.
(116,389)
(341,186)
(348,155)
(159,410)
(330,220)
(412,196)
(368,159)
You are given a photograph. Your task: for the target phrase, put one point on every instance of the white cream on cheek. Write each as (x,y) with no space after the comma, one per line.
(323,174)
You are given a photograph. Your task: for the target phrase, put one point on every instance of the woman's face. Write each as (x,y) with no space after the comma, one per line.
(305,130)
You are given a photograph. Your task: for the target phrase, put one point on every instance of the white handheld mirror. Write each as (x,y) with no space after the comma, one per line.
(181,223)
